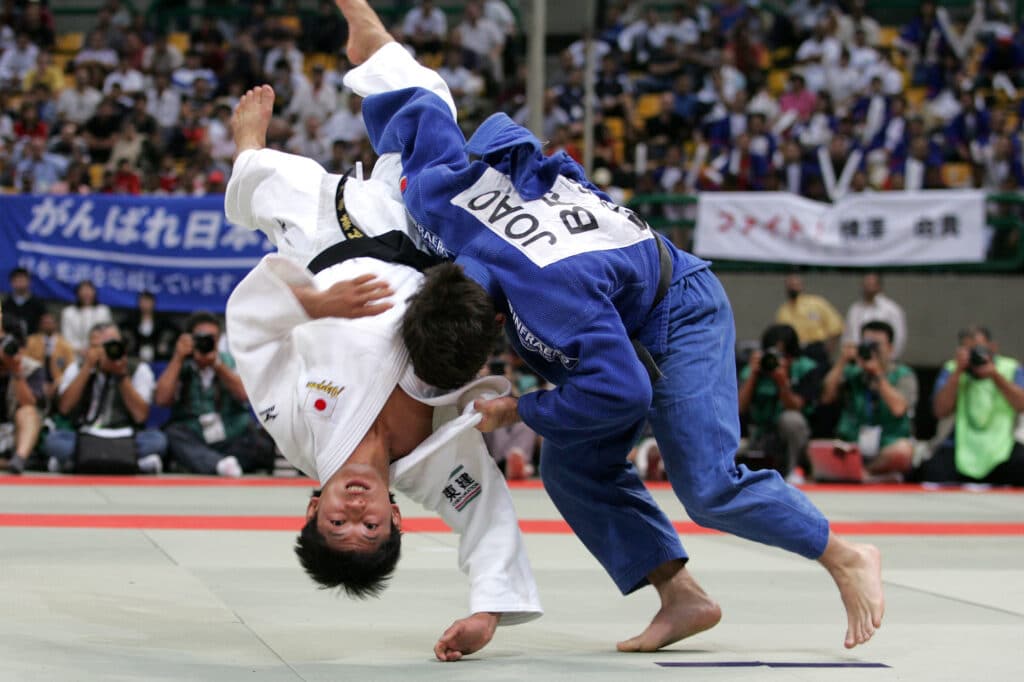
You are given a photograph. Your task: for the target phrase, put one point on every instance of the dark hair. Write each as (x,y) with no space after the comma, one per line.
(202,317)
(449,327)
(360,574)
(18,271)
(146,293)
(879,326)
(972,331)
(78,289)
(784,333)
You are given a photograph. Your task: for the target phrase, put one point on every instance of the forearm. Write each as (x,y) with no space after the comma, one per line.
(1013,393)
(72,395)
(137,406)
(830,388)
(167,384)
(945,399)
(747,393)
(232,382)
(893,399)
(789,399)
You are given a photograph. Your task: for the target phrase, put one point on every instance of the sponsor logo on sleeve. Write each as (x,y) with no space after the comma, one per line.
(461,489)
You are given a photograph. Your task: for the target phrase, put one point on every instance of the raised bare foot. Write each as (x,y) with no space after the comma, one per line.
(857,570)
(366,33)
(685,610)
(252,117)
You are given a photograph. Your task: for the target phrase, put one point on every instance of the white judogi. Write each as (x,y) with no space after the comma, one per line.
(318,385)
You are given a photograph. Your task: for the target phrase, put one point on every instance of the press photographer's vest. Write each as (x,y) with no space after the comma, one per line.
(862,406)
(984,421)
(107,410)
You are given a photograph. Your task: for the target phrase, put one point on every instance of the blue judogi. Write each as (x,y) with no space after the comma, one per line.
(576,276)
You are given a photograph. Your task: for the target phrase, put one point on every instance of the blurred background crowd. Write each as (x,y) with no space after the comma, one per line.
(815,97)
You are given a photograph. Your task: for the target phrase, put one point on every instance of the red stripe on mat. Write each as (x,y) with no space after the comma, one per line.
(532,484)
(435,525)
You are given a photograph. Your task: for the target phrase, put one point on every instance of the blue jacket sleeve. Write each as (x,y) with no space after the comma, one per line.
(418,125)
(608,391)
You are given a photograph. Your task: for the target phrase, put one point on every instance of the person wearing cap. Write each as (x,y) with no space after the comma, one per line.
(330,379)
(624,325)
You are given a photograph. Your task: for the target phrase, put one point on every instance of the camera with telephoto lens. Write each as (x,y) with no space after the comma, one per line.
(770,361)
(203,343)
(10,345)
(496,368)
(867,350)
(979,357)
(114,348)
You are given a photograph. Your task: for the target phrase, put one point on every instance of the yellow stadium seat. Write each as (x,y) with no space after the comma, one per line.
(887,36)
(616,127)
(324,59)
(179,40)
(96,175)
(648,105)
(957,175)
(68,43)
(915,97)
(432,60)
(777,79)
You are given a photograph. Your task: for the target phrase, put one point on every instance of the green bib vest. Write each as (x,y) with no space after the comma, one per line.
(985,421)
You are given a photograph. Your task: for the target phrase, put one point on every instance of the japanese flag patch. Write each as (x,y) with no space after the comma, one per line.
(322,397)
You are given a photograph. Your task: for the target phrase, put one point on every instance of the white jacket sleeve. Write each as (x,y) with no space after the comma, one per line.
(261,314)
(393,68)
(457,478)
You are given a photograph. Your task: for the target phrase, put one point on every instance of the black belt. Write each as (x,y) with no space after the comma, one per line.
(664,282)
(391,247)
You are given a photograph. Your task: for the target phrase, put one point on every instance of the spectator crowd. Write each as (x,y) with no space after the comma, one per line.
(814,97)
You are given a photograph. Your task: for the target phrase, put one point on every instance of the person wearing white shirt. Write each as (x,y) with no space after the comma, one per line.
(286,50)
(360,421)
(78,103)
(163,102)
(346,124)
(161,56)
(425,26)
(309,142)
(18,60)
(97,52)
(130,80)
(78,319)
(874,305)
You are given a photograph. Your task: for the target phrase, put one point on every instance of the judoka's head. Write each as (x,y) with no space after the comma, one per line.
(450,327)
(352,538)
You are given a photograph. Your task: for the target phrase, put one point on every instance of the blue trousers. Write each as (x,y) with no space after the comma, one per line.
(61,444)
(695,420)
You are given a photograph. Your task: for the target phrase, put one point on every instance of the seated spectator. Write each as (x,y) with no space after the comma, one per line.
(325,31)
(1002,167)
(877,398)
(211,430)
(284,49)
(39,170)
(346,124)
(44,71)
(78,103)
(874,305)
(107,390)
(161,56)
(28,124)
(37,21)
(465,85)
(21,393)
(816,321)
(78,319)
(21,303)
(321,98)
(97,51)
(512,447)
(125,180)
(779,388)
(309,141)
(164,104)
(614,89)
(425,27)
(924,41)
(797,99)
(482,41)
(130,80)
(184,78)
(52,351)
(971,125)
(857,20)
(17,61)
(982,393)
(100,131)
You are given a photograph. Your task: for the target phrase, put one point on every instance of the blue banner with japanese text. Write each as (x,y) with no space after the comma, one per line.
(182,249)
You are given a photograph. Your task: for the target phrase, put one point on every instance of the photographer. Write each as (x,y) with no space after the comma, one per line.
(984,392)
(108,392)
(877,400)
(21,390)
(778,388)
(211,430)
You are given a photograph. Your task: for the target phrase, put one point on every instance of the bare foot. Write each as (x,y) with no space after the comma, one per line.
(685,610)
(252,117)
(857,570)
(366,33)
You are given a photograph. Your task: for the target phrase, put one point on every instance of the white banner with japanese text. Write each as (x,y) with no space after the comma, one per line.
(896,228)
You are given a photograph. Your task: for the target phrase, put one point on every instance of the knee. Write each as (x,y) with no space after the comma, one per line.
(792,424)
(151,442)
(705,502)
(60,444)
